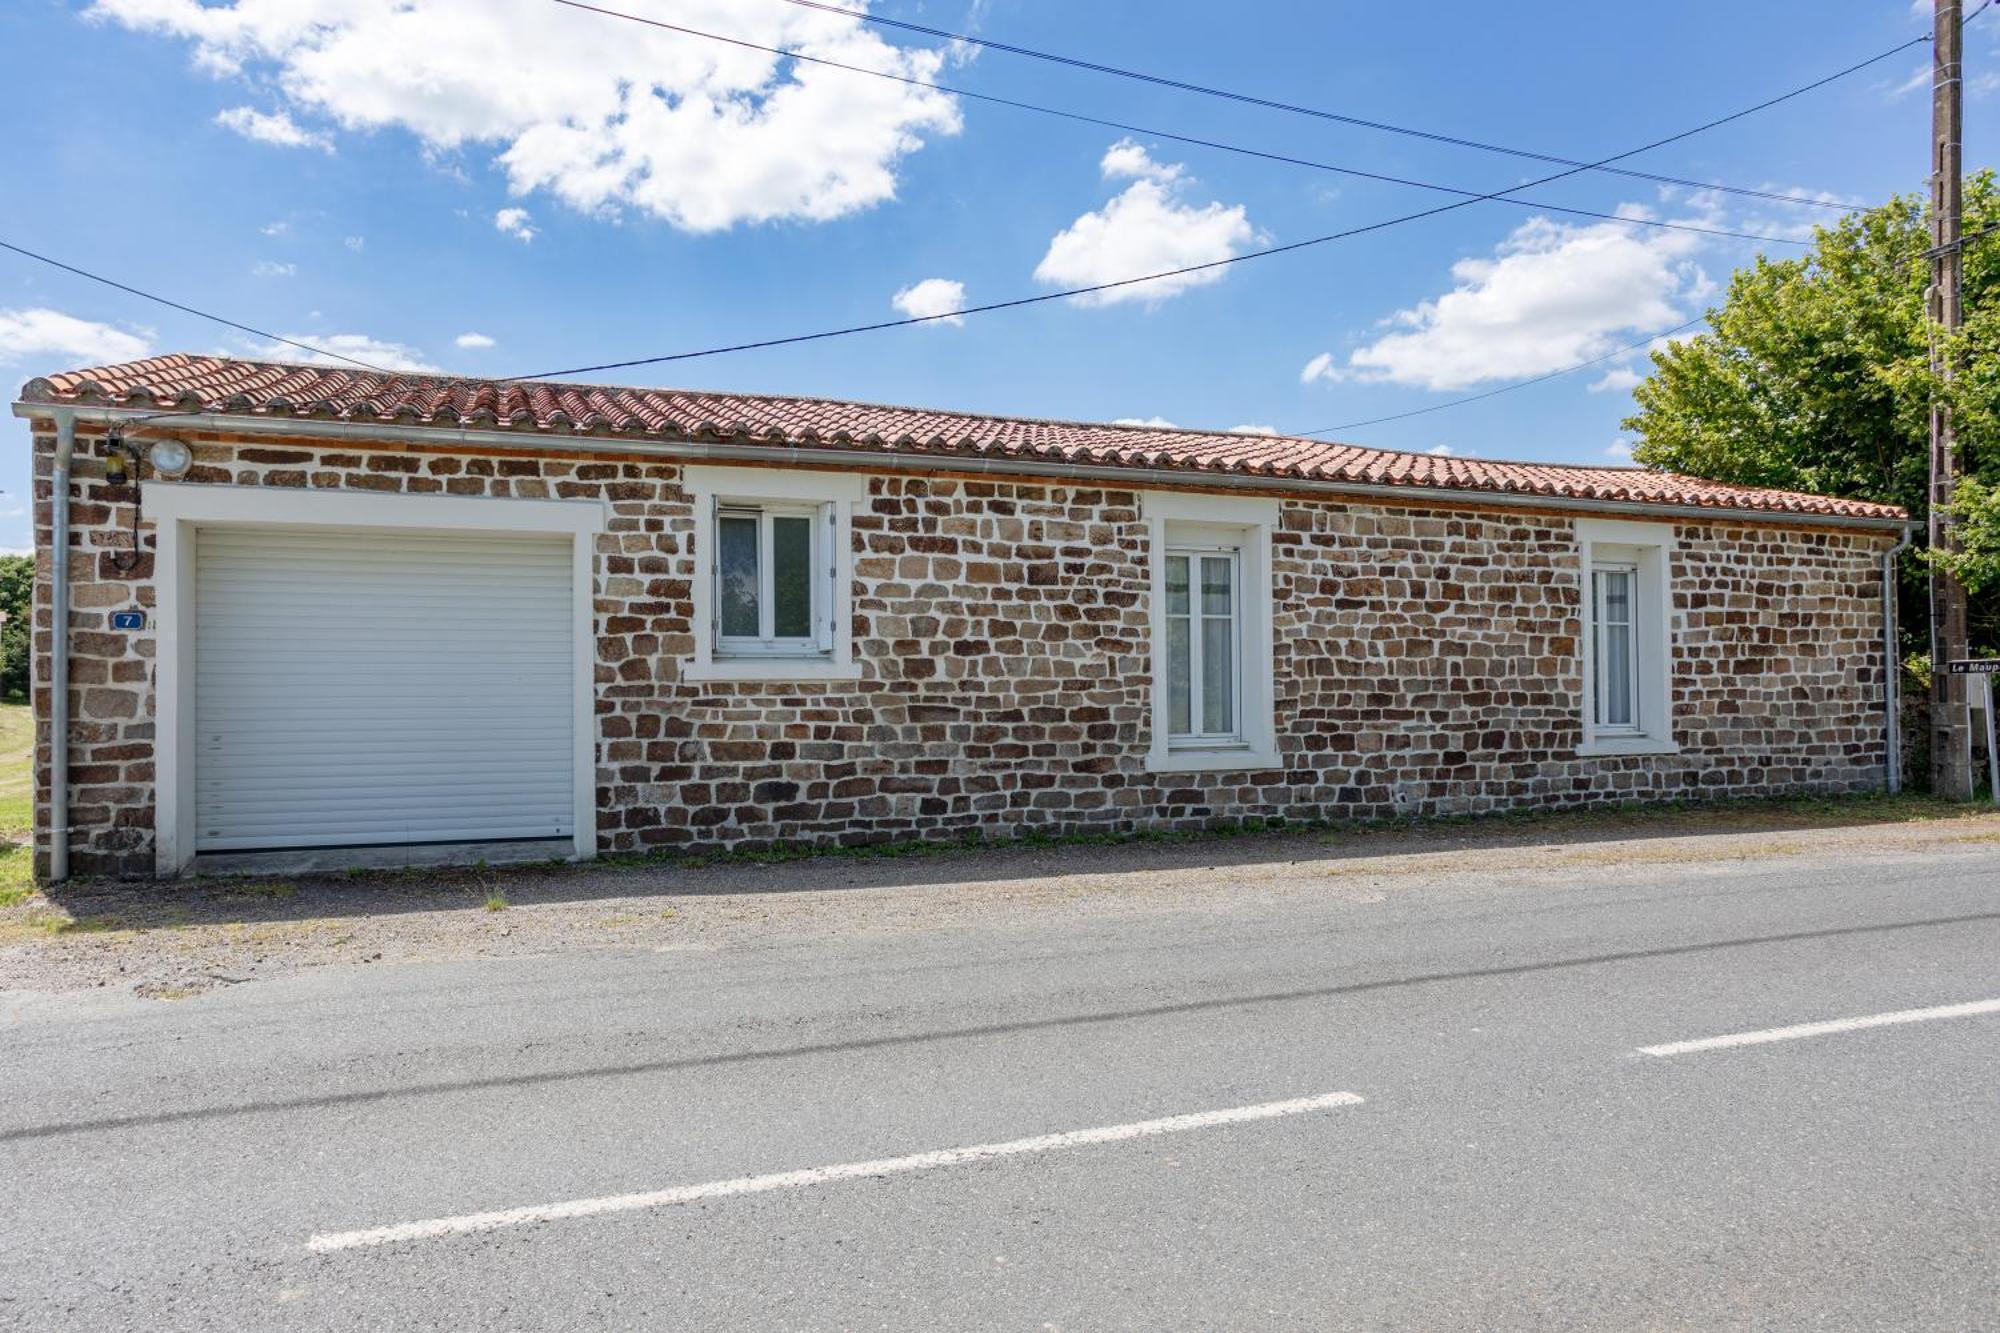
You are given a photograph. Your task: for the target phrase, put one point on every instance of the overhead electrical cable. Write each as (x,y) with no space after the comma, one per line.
(1152,133)
(1467,199)
(188,309)
(1612,355)
(1214,264)
(1252,99)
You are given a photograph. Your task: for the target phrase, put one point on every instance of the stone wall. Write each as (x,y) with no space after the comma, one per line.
(1426,661)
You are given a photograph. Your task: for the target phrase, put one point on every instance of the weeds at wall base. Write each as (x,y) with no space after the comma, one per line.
(1875,807)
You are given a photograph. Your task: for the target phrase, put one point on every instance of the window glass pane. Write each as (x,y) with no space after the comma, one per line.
(1617,596)
(1612,600)
(791,577)
(1614,675)
(1177,585)
(1215,581)
(1180,669)
(736,574)
(1218,684)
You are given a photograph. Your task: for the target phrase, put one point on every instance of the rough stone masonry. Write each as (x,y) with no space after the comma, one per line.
(1426,660)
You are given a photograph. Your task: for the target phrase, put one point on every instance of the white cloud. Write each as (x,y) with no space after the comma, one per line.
(42,334)
(271,268)
(1251,428)
(1323,367)
(515,222)
(361,347)
(474,341)
(938,298)
(1144,230)
(1774,217)
(606,116)
(1552,295)
(1618,379)
(276,128)
(1154,423)
(1129,160)
(354,243)
(1919,77)
(1618,451)
(1441,450)
(278,228)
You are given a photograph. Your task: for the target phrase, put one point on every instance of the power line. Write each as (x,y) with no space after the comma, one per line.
(1518,384)
(1215,264)
(1569,370)
(1151,133)
(1252,99)
(187,309)
(1937,250)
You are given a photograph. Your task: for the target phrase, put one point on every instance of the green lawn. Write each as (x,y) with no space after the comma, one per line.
(17,803)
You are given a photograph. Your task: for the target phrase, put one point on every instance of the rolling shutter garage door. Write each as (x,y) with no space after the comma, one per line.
(381,688)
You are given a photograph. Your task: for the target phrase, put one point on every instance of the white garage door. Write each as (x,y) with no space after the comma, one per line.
(381,688)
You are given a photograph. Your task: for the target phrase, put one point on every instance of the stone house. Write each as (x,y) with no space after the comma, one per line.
(328,616)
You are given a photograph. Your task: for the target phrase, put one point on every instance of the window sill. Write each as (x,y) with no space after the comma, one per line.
(1604,746)
(771,668)
(1225,759)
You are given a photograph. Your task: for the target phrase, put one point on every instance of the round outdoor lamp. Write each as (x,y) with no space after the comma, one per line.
(170,457)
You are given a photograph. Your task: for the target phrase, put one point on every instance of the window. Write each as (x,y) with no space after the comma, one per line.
(1204,647)
(772,592)
(1627,641)
(1617,677)
(773,572)
(1210,562)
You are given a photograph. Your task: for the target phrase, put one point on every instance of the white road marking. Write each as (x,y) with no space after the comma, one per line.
(1968,1010)
(819,1175)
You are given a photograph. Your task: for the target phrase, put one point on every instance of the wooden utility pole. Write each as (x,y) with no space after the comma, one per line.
(1951,757)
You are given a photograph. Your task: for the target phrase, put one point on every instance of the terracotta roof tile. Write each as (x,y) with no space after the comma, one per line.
(272,389)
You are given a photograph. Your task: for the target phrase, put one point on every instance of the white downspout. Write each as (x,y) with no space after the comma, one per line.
(1892,667)
(59,647)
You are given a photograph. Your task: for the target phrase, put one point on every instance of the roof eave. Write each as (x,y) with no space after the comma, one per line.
(1123,474)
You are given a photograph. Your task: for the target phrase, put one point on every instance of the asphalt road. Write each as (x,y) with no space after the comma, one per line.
(1512,1160)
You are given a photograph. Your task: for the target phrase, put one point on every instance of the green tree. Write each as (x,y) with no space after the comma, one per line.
(1815,375)
(17,582)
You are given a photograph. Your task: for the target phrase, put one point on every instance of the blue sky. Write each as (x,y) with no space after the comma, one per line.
(501,187)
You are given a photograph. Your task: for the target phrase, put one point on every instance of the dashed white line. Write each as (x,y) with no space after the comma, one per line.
(821,1175)
(1968,1010)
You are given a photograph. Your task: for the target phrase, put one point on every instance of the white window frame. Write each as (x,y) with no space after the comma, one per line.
(1179,522)
(767,642)
(1198,737)
(1646,550)
(1634,602)
(830,497)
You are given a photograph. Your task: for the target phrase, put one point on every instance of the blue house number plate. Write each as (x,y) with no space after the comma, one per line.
(128,620)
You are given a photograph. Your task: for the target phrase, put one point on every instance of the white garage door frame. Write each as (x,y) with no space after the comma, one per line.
(180,510)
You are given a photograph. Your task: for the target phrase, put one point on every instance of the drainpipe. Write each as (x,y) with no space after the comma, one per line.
(59,647)
(1892,667)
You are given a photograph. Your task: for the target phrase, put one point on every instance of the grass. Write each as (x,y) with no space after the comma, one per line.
(17,804)
(17,771)
(496,902)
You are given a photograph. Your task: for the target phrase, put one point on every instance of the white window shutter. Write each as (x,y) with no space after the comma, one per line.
(713,555)
(825,608)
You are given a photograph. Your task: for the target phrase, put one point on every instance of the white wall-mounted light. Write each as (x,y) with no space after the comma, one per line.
(170,457)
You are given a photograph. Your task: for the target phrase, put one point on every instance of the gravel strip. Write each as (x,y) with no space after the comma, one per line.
(177,941)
